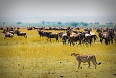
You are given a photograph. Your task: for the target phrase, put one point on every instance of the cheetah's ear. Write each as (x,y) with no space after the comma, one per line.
(77,54)
(73,53)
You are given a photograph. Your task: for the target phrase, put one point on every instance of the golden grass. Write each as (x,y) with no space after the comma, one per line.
(34,57)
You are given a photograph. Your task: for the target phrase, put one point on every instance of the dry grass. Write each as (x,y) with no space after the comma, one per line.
(34,57)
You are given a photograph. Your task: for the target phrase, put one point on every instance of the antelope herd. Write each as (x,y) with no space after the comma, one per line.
(10,31)
(67,34)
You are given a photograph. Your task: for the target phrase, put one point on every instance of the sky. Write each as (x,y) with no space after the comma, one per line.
(58,7)
(10,8)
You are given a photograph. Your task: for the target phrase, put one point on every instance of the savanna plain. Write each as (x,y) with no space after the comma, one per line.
(35,57)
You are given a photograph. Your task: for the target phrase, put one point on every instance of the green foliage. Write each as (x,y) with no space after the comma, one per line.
(59,23)
(114,26)
(19,22)
(74,24)
(85,24)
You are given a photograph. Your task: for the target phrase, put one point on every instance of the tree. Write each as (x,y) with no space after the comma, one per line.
(110,23)
(19,22)
(85,24)
(96,23)
(59,22)
(74,24)
(43,22)
(3,23)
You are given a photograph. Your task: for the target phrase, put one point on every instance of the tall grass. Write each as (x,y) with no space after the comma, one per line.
(35,57)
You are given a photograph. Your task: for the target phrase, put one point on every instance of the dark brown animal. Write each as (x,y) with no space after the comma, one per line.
(8,34)
(20,33)
(64,38)
(41,33)
(50,35)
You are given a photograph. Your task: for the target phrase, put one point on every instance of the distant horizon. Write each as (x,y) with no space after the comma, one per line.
(35,19)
